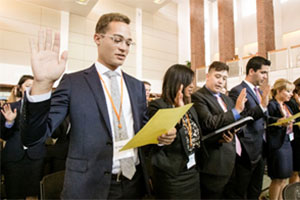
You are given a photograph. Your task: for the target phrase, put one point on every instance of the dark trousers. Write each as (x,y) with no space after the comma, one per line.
(123,188)
(246,181)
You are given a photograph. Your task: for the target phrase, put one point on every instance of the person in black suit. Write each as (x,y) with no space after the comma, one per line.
(175,175)
(22,166)
(294,105)
(97,100)
(249,167)
(280,154)
(216,110)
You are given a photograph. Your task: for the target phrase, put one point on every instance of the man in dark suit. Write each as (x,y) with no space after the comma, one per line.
(96,99)
(250,166)
(216,110)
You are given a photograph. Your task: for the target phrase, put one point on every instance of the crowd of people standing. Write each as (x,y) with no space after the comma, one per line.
(103,107)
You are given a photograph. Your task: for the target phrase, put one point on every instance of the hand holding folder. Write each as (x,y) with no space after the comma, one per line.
(287,120)
(217,134)
(160,123)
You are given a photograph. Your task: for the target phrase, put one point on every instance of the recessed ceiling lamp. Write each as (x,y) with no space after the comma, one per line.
(158,1)
(82,2)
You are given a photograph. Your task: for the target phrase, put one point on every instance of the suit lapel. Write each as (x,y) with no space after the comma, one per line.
(250,92)
(212,99)
(93,80)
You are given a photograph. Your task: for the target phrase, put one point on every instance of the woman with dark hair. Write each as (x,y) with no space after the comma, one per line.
(22,166)
(279,150)
(294,104)
(175,175)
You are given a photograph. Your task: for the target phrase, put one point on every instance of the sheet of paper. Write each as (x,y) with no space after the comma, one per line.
(160,123)
(291,118)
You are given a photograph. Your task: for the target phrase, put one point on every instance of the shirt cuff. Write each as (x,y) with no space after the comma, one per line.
(262,108)
(236,114)
(37,98)
(9,125)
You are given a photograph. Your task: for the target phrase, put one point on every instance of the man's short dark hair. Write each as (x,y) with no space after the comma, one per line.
(105,19)
(218,66)
(147,83)
(256,63)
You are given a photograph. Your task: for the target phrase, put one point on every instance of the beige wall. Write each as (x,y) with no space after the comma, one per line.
(160,44)
(20,21)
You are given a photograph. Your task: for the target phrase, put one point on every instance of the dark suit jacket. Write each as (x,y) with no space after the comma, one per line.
(293,105)
(252,137)
(275,134)
(13,150)
(173,158)
(211,116)
(90,155)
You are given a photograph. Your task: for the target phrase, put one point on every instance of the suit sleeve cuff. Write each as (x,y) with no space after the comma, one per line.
(37,98)
(236,114)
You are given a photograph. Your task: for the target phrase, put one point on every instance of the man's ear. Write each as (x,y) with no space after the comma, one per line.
(251,71)
(97,38)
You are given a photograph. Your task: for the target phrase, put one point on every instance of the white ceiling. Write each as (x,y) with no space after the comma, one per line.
(66,5)
(83,10)
(146,5)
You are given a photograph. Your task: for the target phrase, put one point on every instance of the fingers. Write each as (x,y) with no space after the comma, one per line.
(167,138)
(63,58)
(48,39)
(228,137)
(41,40)
(56,44)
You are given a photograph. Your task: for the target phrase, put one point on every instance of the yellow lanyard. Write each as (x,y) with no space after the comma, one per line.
(112,102)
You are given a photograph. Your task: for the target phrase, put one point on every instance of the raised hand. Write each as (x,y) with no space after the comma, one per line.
(265,96)
(9,115)
(241,100)
(47,66)
(179,97)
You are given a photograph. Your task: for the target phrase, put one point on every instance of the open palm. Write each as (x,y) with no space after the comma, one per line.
(46,64)
(9,115)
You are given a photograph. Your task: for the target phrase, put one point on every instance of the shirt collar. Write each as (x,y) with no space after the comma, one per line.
(214,94)
(102,69)
(250,85)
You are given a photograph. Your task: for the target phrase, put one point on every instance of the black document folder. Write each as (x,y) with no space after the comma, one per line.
(217,134)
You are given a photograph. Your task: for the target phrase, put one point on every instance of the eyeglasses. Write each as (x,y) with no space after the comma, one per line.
(118,39)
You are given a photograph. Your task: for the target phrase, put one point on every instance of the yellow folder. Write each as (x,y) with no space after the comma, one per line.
(289,119)
(160,123)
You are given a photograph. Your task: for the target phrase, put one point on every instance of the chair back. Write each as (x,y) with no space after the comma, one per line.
(291,191)
(51,185)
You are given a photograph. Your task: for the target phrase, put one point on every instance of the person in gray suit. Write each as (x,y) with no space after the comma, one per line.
(97,100)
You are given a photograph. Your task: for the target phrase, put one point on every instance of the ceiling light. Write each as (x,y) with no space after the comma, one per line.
(158,1)
(82,2)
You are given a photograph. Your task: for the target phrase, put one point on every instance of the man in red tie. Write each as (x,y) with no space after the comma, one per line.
(216,110)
